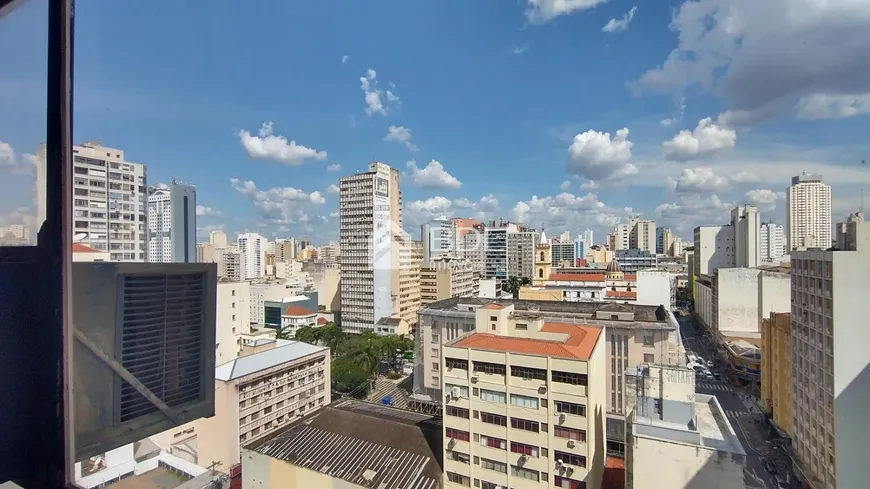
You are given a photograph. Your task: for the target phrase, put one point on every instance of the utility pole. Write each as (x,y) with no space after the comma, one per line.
(213,467)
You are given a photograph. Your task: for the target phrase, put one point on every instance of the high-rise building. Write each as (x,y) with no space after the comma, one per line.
(619,239)
(218,238)
(771,242)
(808,217)
(172,223)
(109,201)
(830,364)
(438,238)
(253,249)
(443,278)
(714,249)
(587,238)
(472,247)
(15,235)
(371,216)
(524,403)
(521,252)
(744,220)
(410,263)
(641,234)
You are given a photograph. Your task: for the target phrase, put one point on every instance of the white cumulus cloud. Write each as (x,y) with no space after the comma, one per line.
(335,167)
(206,211)
(401,134)
(280,205)
(377,100)
(706,140)
(543,11)
(594,156)
(268,146)
(432,176)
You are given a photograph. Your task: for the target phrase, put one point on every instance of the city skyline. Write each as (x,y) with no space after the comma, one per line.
(271,162)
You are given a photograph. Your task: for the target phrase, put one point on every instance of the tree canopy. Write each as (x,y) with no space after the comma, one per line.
(356,358)
(512,285)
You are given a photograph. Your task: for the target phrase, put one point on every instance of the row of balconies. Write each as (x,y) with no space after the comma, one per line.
(288,394)
(248,393)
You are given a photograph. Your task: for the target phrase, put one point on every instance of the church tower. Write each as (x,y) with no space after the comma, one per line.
(543,261)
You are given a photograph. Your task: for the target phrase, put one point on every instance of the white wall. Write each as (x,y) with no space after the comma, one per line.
(654,288)
(121,462)
(231,321)
(489,288)
(657,464)
(704,303)
(714,248)
(747,295)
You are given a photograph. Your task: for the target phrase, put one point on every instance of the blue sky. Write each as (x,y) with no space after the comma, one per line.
(507,108)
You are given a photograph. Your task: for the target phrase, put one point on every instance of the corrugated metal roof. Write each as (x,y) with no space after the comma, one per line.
(250,364)
(368,445)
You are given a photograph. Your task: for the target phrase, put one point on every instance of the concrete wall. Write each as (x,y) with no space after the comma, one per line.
(262,472)
(747,295)
(704,303)
(232,317)
(657,464)
(654,288)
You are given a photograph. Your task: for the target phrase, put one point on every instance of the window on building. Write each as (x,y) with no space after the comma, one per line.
(528,373)
(521,327)
(525,425)
(456,411)
(524,401)
(459,479)
(649,358)
(569,378)
(570,459)
(522,448)
(492,396)
(491,442)
(532,475)
(452,363)
(569,433)
(490,368)
(565,483)
(457,434)
(493,465)
(649,339)
(493,318)
(496,419)
(460,457)
(570,408)
(436,366)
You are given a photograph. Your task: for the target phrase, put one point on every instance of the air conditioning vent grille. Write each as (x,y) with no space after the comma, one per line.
(161,340)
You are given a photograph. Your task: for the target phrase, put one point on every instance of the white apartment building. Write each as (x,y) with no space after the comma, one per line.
(587,237)
(714,249)
(15,235)
(808,215)
(523,403)
(733,301)
(256,395)
(771,242)
(620,238)
(744,220)
(443,278)
(109,201)
(675,437)
(232,319)
(172,223)
(472,247)
(642,234)
(231,264)
(438,238)
(253,249)
(371,217)
(521,253)
(830,373)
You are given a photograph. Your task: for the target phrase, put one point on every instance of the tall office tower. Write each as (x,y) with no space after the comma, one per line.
(641,234)
(564,254)
(808,217)
(172,223)
(771,242)
(830,365)
(436,236)
(587,238)
(253,249)
(744,219)
(109,201)
(565,237)
(660,243)
(371,215)
(472,247)
(520,247)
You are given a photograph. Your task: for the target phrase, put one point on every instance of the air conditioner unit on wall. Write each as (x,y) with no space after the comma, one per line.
(143,355)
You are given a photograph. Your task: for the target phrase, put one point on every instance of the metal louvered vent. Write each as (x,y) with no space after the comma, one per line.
(161,340)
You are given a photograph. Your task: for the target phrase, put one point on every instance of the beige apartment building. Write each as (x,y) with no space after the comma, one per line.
(446,277)
(634,334)
(255,395)
(408,276)
(524,403)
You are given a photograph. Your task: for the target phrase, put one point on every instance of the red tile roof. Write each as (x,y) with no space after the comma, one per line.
(620,294)
(579,344)
(577,277)
(81,248)
(297,311)
(630,276)
(322,321)
(493,306)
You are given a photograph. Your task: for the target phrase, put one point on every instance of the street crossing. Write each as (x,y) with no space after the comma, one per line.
(714,386)
(730,413)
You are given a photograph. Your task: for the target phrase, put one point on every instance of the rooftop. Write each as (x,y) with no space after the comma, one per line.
(83,248)
(711,431)
(553,308)
(578,343)
(297,311)
(586,277)
(364,444)
(240,367)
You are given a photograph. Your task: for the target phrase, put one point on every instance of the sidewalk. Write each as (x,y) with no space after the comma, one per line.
(756,430)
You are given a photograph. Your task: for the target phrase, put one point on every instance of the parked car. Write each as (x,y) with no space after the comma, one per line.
(770,467)
(710,363)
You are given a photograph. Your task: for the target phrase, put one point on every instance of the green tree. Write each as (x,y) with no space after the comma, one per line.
(308,334)
(348,375)
(283,334)
(331,335)
(512,285)
(364,350)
